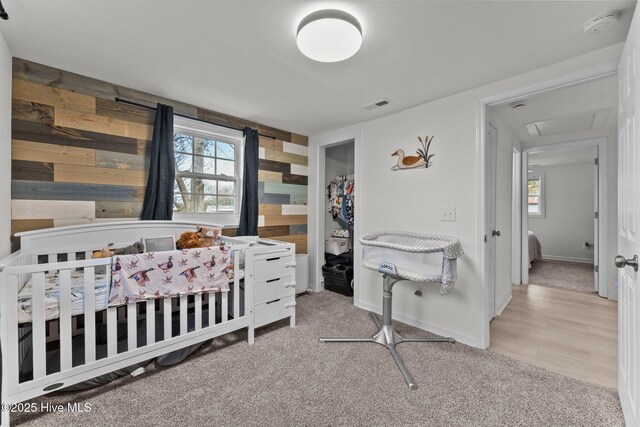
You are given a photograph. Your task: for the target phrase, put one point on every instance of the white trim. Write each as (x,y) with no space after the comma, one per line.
(579,76)
(567,258)
(317,146)
(438,330)
(516,220)
(503,304)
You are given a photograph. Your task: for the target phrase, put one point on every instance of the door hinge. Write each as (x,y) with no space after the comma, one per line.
(595,268)
(597,161)
(597,215)
(485,238)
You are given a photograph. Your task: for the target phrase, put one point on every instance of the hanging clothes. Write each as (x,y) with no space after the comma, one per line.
(340,193)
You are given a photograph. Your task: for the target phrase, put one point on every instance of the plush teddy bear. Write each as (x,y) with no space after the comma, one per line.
(202,238)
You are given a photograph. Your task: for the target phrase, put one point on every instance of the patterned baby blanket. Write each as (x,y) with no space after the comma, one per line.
(165,274)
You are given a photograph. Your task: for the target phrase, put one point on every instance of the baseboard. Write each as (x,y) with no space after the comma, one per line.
(566,258)
(503,304)
(438,330)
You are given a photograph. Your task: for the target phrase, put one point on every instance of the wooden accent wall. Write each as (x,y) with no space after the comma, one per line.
(78,156)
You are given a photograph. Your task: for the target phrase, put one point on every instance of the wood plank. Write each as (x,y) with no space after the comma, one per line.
(122,111)
(268,176)
(48,134)
(270,187)
(271,144)
(288,178)
(18,225)
(51,209)
(31,111)
(102,124)
(285,220)
(38,152)
(39,190)
(218,118)
(299,139)
(269,210)
(230,232)
(300,242)
(279,156)
(91,175)
(301,150)
(113,160)
(294,210)
(143,148)
(37,171)
(54,97)
(297,229)
(274,166)
(299,170)
(269,232)
(118,209)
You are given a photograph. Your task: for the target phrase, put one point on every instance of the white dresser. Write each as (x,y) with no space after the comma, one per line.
(272,267)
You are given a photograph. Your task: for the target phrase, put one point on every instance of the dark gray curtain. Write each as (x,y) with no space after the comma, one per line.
(249,212)
(158,196)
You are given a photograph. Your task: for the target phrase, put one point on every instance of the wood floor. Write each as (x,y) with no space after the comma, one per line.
(572,333)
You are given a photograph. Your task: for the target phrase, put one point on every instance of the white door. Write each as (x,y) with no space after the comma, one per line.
(596,225)
(629,226)
(490,260)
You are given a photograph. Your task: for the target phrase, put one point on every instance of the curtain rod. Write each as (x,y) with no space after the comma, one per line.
(124,101)
(3,13)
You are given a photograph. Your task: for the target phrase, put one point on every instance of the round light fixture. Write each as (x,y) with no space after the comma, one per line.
(329,35)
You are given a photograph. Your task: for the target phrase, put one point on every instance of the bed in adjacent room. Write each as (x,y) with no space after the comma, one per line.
(535,248)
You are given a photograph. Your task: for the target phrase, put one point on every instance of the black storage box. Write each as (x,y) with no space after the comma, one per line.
(338,278)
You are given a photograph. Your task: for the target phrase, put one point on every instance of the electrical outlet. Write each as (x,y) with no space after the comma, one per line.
(448,213)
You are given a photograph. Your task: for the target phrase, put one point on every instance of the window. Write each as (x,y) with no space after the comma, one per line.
(535,196)
(207,168)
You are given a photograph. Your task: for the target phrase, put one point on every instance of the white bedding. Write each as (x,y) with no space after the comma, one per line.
(52,296)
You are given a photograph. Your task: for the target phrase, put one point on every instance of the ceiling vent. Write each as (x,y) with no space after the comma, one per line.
(376,104)
(600,23)
(580,122)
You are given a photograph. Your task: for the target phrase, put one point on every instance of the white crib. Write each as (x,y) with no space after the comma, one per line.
(67,251)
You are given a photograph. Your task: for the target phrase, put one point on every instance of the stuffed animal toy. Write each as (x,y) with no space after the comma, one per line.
(202,238)
(105,252)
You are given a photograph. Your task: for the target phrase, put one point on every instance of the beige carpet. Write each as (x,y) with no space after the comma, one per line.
(574,276)
(289,379)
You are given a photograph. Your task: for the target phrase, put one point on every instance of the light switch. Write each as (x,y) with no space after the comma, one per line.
(448,214)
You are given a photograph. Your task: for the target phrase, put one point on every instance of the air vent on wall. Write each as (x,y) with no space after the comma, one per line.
(580,122)
(377,104)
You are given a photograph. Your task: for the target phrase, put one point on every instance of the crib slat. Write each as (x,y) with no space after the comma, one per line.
(39,333)
(71,256)
(53,258)
(151,321)
(225,306)
(183,314)
(197,301)
(166,313)
(65,320)
(11,314)
(236,285)
(89,315)
(112,331)
(132,329)
(211,298)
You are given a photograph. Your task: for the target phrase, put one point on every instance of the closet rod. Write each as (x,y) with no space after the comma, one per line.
(3,13)
(124,101)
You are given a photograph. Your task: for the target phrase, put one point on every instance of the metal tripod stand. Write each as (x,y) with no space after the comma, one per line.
(386,336)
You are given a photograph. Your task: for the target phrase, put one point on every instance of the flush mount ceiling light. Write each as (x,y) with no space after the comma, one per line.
(329,35)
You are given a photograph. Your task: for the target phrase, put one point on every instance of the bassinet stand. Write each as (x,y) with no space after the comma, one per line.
(386,335)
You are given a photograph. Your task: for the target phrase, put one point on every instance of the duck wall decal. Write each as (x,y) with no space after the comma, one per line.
(421,159)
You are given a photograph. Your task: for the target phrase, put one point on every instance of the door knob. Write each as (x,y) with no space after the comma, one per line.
(621,262)
(495,233)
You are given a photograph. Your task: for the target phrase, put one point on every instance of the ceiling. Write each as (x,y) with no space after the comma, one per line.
(240,57)
(575,103)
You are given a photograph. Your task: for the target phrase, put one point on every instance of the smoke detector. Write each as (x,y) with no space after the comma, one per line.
(600,23)
(519,104)
(377,104)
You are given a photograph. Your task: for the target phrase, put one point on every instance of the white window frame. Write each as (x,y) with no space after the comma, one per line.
(218,133)
(541,204)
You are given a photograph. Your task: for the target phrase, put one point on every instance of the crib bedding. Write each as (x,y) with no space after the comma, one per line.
(52,296)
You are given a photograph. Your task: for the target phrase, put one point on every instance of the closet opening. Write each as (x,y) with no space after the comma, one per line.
(339,218)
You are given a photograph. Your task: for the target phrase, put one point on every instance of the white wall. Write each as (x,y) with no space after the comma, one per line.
(506,142)
(339,161)
(411,200)
(569,205)
(5,148)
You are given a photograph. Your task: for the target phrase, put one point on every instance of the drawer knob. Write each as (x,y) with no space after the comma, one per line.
(290,285)
(290,265)
(291,304)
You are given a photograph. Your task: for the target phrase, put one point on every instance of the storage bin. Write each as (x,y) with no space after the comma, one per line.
(336,245)
(338,277)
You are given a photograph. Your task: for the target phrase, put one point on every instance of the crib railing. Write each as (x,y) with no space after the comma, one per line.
(208,312)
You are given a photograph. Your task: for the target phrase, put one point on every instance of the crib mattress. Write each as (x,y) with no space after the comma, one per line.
(52,296)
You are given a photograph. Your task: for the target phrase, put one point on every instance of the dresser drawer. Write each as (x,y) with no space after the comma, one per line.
(270,289)
(272,311)
(274,266)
